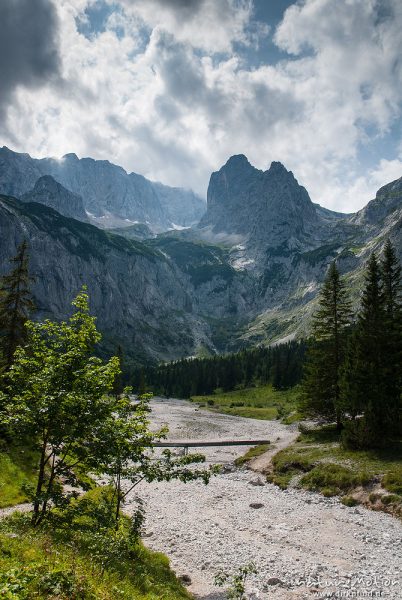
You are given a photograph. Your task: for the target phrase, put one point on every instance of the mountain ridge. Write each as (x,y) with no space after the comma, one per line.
(254,280)
(111,196)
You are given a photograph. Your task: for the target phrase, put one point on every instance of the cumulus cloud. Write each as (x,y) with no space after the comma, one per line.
(164,90)
(28,45)
(205,24)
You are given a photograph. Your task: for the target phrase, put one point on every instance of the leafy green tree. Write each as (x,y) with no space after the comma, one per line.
(118,386)
(16,304)
(121,450)
(321,383)
(56,394)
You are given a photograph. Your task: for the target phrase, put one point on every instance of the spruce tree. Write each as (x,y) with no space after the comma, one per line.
(16,304)
(391,296)
(368,389)
(321,382)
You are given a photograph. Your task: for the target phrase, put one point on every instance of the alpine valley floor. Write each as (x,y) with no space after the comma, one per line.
(304,545)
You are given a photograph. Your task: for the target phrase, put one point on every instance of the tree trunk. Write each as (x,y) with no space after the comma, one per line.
(39,485)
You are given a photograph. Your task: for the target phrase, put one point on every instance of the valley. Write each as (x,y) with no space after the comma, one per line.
(298,540)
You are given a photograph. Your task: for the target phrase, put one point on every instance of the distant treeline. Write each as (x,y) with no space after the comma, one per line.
(280,365)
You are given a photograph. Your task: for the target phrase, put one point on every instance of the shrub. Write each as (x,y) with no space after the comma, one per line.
(356,434)
(349,501)
(393,483)
(391,499)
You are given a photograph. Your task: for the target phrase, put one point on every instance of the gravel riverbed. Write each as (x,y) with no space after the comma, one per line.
(304,545)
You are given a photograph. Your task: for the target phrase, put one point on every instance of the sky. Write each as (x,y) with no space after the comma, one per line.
(172,88)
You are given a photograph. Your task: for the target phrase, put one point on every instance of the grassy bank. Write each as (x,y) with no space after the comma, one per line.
(74,555)
(48,564)
(318,462)
(17,473)
(256,403)
(252,453)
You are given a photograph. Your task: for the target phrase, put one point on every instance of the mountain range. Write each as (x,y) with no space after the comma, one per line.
(110,196)
(175,277)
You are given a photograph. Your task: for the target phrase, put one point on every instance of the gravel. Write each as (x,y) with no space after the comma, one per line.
(303,545)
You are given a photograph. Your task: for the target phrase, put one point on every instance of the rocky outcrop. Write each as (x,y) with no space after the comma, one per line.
(51,193)
(266,207)
(111,196)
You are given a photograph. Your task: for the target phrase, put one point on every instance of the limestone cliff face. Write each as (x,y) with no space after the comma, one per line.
(266,207)
(136,294)
(51,193)
(248,274)
(160,301)
(112,196)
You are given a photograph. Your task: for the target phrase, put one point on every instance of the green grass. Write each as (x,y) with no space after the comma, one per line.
(332,479)
(17,472)
(79,552)
(252,453)
(41,564)
(256,403)
(323,465)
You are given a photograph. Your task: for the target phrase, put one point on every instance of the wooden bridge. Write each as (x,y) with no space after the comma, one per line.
(186,444)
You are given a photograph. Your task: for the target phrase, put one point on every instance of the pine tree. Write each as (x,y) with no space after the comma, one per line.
(366,385)
(391,278)
(391,296)
(16,304)
(321,382)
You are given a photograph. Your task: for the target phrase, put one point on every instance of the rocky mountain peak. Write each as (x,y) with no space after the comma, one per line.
(70,156)
(388,198)
(269,206)
(278,168)
(237,161)
(50,192)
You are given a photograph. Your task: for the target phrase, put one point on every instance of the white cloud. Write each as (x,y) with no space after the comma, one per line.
(204,24)
(173,109)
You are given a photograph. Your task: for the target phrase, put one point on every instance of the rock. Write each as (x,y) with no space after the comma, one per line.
(256,505)
(185,579)
(274,581)
(256,482)
(228,468)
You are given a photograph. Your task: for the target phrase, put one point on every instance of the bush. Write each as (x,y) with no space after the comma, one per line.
(391,499)
(210,402)
(393,483)
(349,501)
(283,463)
(358,435)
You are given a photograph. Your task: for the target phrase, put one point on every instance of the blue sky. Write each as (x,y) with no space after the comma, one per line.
(172,88)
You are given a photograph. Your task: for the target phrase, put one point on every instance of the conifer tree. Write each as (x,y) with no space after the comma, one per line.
(321,383)
(366,385)
(391,296)
(16,304)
